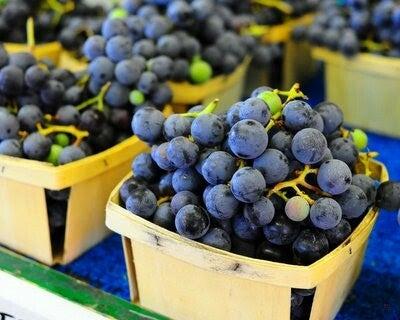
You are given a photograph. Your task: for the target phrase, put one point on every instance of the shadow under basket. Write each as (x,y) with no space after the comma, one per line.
(24,221)
(184,279)
(365,87)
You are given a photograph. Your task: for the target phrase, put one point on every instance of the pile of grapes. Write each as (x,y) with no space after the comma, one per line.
(184,41)
(356,26)
(70,22)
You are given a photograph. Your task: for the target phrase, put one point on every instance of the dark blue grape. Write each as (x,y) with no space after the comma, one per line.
(36,76)
(127,72)
(345,150)
(127,188)
(176,126)
(259,213)
(180,70)
(182,199)
(353,202)
(205,153)
(101,70)
(165,185)
(144,168)
(147,124)
(309,145)
(11,147)
(186,179)
(119,48)
(161,96)
(248,185)
(213,56)
(297,115)
(190,47)
(147,11)
(156,27)
(281,231)
(22,60)
(316,121)
(255,109)
(11,80)
(142,202)
(145,48)
(148,82)
(94,47)
(164,217)
(52,94)
(182,152)
(159,155)
(168,45)
(192,222)
(334,177)
(70,154)
(337,235)
(180,13)
(282,141)
(233,115)
(9,126)
(244,229)
(310,246)
(221,203)
(271,252)
(162,67)
(29,116)
(388,196)
(208,130)
(218,167)
(136,27)
(92,121)
(36,146)
(325,213)
(114,27)
(68,115)
(367,185)
(217,238)
(202,9)
(117,95)
(332,116)
(274,166)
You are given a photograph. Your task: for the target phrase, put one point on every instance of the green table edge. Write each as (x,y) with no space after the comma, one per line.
(71,289)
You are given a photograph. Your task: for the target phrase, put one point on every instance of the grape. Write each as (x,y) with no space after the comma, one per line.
(255,109)
(147,11)
(229,63)
(217,238)
(309,145)
(136,27)
(388,196)
(92,121)
(200,71)
(316,121)
(119,48)
(180,70)
(367,185)
(156,26)
(36,146)
(4,58)
(136,98)
(205,153)
(190,47)
(297,115)
(145,48)
(259,213)
(127,188)
(345,150)
(233,114)
(244,248)
(142,202)
(192,222)
(218,167)
(248,139)
(162,95)
(36,76)
(11,80)
(66,115)
(310,246)
(325,213)
(70,154)
(182,152)
(208,130)
(159,155)
(22,60)
(274,166)
(11,147)
(221,203)
(162,67)
(66,77)
(213,56)
(164,217)
(257,92)
(175,126)
(182,199)
(281,231)
(334,177)
(114,27)
(127,73)
(168,45)
(29,116)
(244,229)
(101,70)
(332,116)
(179,12)
(165,185)
(282,141)
(117,95)
(360,139)
(247,185)
(147,124)
(272,100)
(271,252)
(147,82)
(94,47)
(144,168)
(54,154)
(297,209)
(186,179)
(337,235)
(52,93)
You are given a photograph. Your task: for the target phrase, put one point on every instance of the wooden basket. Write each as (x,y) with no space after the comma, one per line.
(228,89)
(365,87)
(183,279)
(51,50)
(68,61)
(24,223)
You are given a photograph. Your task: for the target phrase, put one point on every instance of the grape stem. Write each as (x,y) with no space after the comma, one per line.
(30,34)
(373,46)
(276,4)
(274,120)
(99,99)
(60,9)
(78,134)
(294,184)
(292,94)
(209,109)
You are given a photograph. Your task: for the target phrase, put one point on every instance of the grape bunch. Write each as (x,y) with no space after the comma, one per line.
(70,22)
(356,26)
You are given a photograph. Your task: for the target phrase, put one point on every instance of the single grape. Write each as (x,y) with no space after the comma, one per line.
(388,196)
(127,73)
(164,217)
(11,147)
(273,165)
(360,139)
(156,27)
(334,176)
(297,115)
(36,76)
(94,47)
(114,27)
(147,82)
(310,246)
(175,126)
(309,145)
(92,121)
(200,72)
(186,179)
(242,247)
(70,154)
(354,202)
(142,202)
(127,188)
(367,185)
(101,70)
(144,48)
(162,66)
(325,213)
(182,199)
(233,115)
(117,95)
(218,167)
(332,116)
(316,121)
(192,222)
(169,45)
(159,155)
(272,252)
(136,97)
(272,100)
(161,96)
(248,185)
(52,93)
(282,141)
(244,229)
(255,109)
(180,70)
(147,124)
(208,130)
(165,185)
(345,150)
(297,209)
(54,154)
(36,146)
(281,231)
(182,152)
(29,116)
(144,168)
(67,115)
(337,235)
(217,238)
(11,80)
(248,139)
(259,213)
(221,203)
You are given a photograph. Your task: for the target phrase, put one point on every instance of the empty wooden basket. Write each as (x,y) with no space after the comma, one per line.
(183,279)
(365,87)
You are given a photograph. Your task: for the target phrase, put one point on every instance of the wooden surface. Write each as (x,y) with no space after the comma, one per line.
(51,50)
(243,284)
(365,87)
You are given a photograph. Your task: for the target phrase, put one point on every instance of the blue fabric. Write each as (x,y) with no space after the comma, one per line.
(376,295)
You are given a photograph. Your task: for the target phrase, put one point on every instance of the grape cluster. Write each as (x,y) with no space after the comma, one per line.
(356,26)
(70,22)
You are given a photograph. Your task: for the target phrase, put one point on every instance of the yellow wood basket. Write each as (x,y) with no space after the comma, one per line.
(365,87)
(51,50)
(183,279)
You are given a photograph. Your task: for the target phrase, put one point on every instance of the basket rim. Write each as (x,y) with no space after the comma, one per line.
(139,229)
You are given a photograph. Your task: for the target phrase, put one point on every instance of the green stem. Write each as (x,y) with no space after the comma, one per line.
(209,109)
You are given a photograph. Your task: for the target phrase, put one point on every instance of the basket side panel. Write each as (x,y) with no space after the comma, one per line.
(130,269)
(86,211)
(332,292)
(182,291)
(24,224)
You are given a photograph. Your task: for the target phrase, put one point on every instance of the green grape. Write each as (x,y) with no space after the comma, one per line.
(200,71)
(136,97)
(272,100)
(54,154)
(297,209)
(360,139)
(118,13)
(62,139)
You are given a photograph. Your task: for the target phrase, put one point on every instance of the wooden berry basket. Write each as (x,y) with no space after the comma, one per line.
(51,50)
(183,279)
(24,223)
(366,88)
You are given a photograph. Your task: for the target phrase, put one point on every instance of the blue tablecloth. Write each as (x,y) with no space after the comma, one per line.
(376,295)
